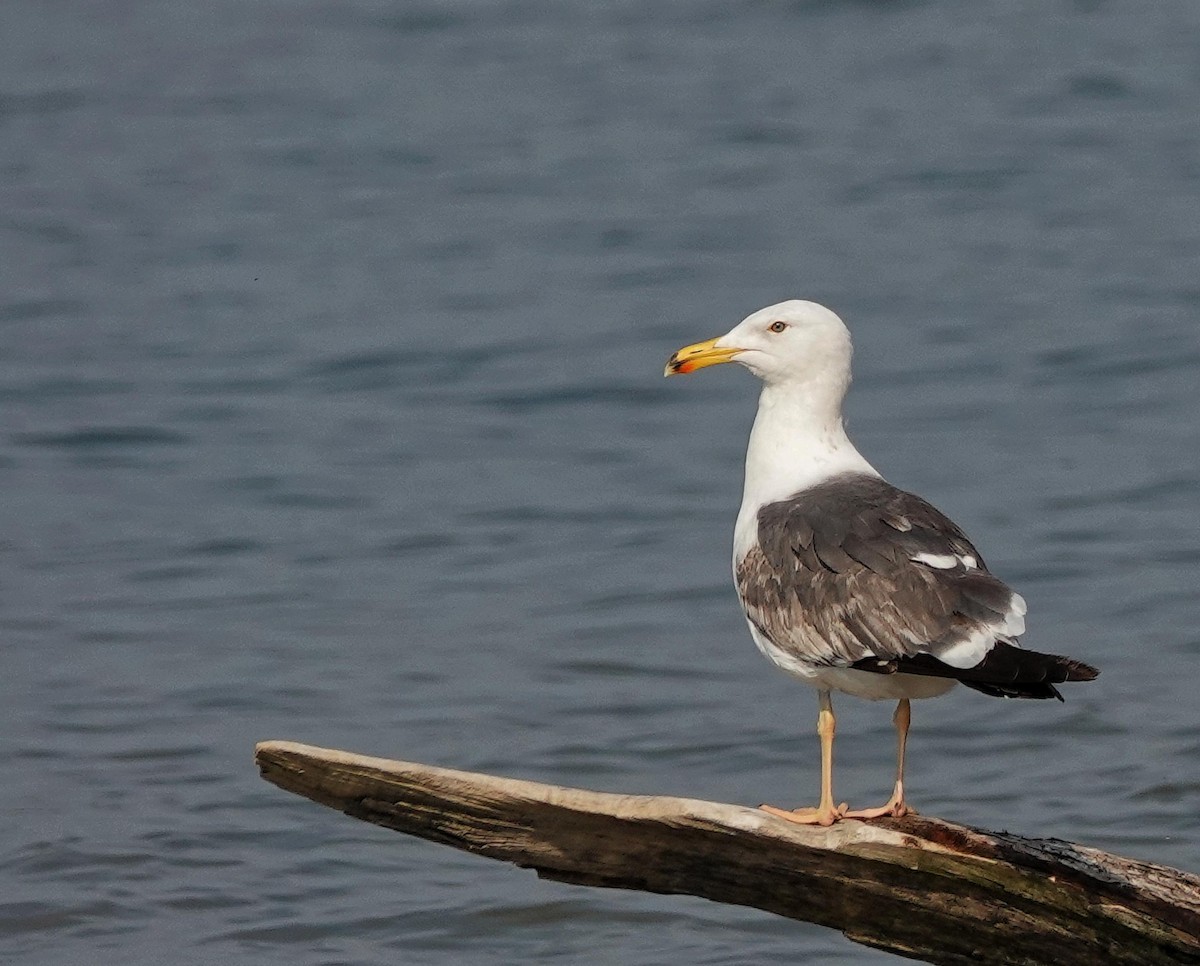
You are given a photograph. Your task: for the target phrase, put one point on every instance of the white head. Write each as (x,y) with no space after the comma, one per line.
(801,352)
(793,343)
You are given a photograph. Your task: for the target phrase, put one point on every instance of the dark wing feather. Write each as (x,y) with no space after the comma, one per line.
(833,579)
(1006,672)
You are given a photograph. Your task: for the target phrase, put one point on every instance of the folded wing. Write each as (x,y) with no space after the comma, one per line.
(857,573)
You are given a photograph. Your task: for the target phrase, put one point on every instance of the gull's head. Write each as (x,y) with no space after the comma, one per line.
(792,342)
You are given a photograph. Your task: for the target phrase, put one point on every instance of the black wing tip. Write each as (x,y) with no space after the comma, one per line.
(1006,672)
(1015,664)
(1039,690)
(1078,671)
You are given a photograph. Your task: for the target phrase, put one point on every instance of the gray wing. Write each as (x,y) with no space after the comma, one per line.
(855,570)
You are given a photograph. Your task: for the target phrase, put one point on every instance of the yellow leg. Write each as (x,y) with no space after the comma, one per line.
(896,806)
(825,813)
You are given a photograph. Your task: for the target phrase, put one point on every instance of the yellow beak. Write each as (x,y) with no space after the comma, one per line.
(693,357)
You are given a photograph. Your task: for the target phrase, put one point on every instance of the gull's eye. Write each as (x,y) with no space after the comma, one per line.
(778,326)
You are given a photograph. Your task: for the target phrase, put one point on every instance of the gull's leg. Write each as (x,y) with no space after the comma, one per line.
(825,813)
(902,718)
(826,728)
(896,806)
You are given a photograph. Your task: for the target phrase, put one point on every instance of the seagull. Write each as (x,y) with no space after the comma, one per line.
(846,581)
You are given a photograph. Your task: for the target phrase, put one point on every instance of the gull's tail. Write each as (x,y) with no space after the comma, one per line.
(1007,671)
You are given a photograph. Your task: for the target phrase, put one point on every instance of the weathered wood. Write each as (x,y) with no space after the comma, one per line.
(918,887)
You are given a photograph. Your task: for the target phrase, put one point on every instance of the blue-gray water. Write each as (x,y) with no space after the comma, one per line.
(332,340)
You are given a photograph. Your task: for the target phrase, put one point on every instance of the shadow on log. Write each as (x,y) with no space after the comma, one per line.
(918,887)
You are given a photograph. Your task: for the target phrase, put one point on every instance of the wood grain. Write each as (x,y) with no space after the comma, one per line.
(917,886)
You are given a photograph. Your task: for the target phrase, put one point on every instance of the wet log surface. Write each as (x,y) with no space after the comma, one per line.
(918,887)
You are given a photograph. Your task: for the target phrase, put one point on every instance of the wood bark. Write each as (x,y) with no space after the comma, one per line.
(918,887)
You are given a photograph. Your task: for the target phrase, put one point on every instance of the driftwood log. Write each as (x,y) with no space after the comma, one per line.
(918,887)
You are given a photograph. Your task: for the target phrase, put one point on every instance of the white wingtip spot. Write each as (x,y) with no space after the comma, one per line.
(946,561)
(1014,620)
(939,561)
(969,652)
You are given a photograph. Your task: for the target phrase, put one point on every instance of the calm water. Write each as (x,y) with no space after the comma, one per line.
(333,411)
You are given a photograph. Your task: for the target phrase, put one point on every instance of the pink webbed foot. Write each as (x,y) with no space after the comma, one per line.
(895,808)
(808,816)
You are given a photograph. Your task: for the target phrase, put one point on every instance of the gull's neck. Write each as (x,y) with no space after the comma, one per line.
(798,440)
